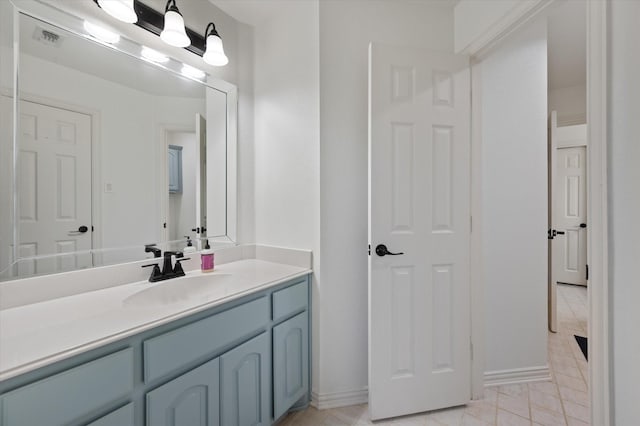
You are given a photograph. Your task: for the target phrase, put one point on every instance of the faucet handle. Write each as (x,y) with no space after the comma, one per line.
(178,268)
(155,273)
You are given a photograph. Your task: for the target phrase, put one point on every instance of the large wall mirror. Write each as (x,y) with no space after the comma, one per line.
(104,151)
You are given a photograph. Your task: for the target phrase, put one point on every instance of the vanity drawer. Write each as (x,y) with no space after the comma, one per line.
(67,396)
(291,299)
(171,351)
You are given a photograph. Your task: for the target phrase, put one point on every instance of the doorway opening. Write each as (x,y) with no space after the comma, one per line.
(567,166)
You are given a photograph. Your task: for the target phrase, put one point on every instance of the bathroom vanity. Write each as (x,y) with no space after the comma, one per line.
(226,348)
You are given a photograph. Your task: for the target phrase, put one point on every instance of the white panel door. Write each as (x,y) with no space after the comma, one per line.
(419,191)
(570,216)
(54,183)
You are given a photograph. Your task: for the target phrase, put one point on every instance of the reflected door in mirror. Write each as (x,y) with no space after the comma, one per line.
(54,188)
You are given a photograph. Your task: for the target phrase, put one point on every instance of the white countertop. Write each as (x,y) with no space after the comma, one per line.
(38,334)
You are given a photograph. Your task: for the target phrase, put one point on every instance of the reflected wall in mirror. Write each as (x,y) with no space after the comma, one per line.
(94,167)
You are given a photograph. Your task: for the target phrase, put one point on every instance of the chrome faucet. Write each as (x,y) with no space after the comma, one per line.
(168,269)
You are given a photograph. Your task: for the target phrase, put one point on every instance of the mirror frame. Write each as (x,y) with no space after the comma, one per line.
(129,46)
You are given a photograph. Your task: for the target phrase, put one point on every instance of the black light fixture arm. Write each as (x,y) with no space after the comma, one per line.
(213,31)
(171,6)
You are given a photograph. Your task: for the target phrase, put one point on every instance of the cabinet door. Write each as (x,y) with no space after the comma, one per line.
(121,417)
(245,374)
(192,399)
(290,363)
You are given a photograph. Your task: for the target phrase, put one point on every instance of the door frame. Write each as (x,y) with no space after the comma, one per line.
(597,231)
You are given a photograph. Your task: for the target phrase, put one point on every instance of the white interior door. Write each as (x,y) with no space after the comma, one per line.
(419,192)
(54,188)
(568,209)
(570,216)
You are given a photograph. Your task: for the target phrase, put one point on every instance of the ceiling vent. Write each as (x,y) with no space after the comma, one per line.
(47,37)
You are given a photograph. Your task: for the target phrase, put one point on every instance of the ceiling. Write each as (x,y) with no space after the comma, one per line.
(254,12)
(567,33)
(567,44)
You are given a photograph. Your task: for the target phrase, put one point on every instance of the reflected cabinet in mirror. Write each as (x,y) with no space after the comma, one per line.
(108,152)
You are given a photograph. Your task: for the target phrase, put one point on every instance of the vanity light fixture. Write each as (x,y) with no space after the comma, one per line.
(214,55)
(191,72)
(153,55)
(174,32)
(101,33)
(171,29)
(122,10)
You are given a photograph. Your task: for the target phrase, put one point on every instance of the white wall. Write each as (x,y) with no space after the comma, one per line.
(624,207)
(514,201)
(287,137)
(571,104)
(346,28)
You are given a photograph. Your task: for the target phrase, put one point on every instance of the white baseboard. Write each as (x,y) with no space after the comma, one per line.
(491,378)
(339,399)
(517,375)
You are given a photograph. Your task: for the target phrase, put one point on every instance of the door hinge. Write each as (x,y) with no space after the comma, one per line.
(164,225)
(587,268)
(91,228)
(369,249)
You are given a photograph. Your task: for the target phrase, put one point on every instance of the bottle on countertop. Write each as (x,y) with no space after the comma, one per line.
(206,258)
(189,248)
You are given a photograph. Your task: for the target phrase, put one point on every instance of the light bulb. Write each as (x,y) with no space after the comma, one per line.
(120,9)
(174,32)
(191,72)
(153,55)
(214,55)
(101,33)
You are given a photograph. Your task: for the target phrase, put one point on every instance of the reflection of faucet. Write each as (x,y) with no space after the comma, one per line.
(168,270)
(151,248)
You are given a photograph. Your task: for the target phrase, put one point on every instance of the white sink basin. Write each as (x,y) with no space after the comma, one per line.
(177,290)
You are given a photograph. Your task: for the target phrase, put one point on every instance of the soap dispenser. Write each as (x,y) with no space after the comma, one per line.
(206,258)
(189,248)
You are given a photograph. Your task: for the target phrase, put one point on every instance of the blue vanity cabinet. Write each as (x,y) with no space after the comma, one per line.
(245,362)
(192,399)
(246,378)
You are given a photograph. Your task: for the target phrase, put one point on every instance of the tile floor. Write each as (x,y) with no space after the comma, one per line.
(562,402)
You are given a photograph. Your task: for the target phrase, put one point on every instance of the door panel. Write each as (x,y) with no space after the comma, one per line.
(419,159)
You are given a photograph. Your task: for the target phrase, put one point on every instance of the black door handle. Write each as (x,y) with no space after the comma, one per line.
(583,225)
(381,250)
(81,230)
(560,232)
